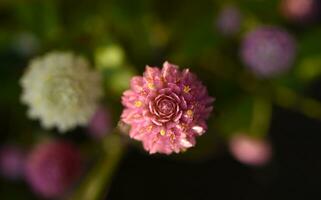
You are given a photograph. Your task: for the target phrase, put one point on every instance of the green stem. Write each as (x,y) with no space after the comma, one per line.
(289,99)
(282,96)
(261,117)
(96,185)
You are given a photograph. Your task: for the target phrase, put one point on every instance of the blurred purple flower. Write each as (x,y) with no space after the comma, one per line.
(53,167)
(301,11)
(100,123)
(166,108)
(229,20)
(12,162)
(250,151)
(268,51)
(26,44)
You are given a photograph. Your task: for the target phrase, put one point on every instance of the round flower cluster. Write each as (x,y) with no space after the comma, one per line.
(251,151)
(52,167)
(61,90)
(166,108)
(229,20)
(301,11)
(268,51)
(100,124)
(12,162)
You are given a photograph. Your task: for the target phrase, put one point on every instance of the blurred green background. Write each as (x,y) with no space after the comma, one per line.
(121,37)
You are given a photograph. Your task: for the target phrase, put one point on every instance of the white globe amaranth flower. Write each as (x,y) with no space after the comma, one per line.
(61,90)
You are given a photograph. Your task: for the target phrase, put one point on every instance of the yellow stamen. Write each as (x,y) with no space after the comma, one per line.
(183,126)
(150,86)
(172,138)
(138,104)
(162,132)
(186,89)
(189,113)
(149,128)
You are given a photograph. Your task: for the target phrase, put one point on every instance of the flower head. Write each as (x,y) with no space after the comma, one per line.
(229,20)
(26,44)
(52,168)
(268,51)
(100,123)
(250,150)
(166,108)
(301,11)
(61,90)
(12,162)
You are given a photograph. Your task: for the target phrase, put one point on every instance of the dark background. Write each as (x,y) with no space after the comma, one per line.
(294,173)
(183,32)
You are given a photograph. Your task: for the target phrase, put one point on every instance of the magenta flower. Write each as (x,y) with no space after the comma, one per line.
(53,167)
(166,108)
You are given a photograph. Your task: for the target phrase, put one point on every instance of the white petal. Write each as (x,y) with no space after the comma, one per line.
(198,129)
(185,143)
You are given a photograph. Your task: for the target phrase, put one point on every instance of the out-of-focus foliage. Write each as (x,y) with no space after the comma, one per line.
(121,37)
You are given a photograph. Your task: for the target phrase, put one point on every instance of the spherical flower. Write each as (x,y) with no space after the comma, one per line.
(301,11)
(61,90)
(229,20)
(166,108)
(12,162)
(268,51)
(100,124)
(250,150)
(52,167)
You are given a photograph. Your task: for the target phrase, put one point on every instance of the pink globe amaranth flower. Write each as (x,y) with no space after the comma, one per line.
(250,151)
(229,20)
(100,123)
(12,160)
(52,168)
(166,108)
(268,51)
(301,11)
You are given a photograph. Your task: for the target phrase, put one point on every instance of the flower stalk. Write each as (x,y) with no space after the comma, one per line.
(95,185)
(261,117)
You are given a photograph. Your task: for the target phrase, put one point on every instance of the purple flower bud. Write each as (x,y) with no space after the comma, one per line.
(229,20)
(12,162)
(250,151)
(268,51)
(100,123)
(52,168)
